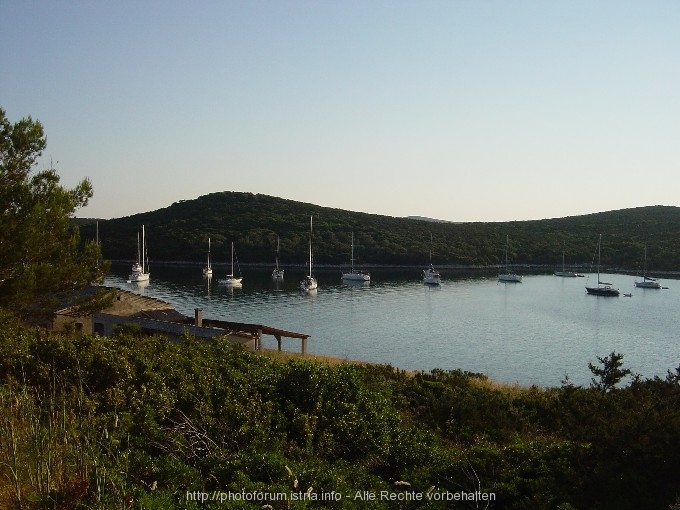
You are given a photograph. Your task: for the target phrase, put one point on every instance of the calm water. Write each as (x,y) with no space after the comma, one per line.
(535,332)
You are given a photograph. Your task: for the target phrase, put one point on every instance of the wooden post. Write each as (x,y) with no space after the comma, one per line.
(278,340)
(304,345)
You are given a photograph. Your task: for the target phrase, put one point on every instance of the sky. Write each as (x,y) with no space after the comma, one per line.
(462,110)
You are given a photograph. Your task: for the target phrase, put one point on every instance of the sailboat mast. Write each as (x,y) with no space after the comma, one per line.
(145,255)
(352,252)
(506,253)
(97,241)
(599,250)
(310,245)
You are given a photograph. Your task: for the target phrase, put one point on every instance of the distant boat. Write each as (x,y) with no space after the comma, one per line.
(647,283)
(564,273)
(277,274)
(232,279)
(309,282)
(355,276)
(430,275)
(207,270)
(140,269)
(603,288)
(508,276)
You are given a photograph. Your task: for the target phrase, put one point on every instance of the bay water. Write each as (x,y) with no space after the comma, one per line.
(532,333)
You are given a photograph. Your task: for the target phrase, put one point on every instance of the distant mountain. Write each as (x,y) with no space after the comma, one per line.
(423,218)
(180,233)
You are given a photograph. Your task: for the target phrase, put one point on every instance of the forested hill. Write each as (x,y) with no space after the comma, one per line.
(180,233)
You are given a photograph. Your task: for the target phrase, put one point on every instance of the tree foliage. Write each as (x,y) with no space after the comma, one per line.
(40,252)
(610,374)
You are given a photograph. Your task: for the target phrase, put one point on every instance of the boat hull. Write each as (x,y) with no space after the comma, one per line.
(309,283)
(510,277)
(138,274)
(142,277)
(648,285)
(231,280)
(431,276)
(566,274)
(356,277)
(432,281)
(603,291)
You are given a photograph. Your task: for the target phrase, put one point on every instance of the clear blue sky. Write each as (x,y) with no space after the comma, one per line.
(459,110)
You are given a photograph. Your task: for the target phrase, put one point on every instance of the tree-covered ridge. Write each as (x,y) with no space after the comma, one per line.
(180,233)
(139,422)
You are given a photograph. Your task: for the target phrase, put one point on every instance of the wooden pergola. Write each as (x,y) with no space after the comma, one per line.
(257,330)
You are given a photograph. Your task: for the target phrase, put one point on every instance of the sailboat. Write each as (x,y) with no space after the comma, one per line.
(508,276)
(140,269)
(564,273)
(309,282)
(207,270)
(431,275)
(647,283)
(603,288)
(355,276)
(231,279)
(277,274)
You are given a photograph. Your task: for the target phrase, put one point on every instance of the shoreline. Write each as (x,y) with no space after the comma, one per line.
(397,268)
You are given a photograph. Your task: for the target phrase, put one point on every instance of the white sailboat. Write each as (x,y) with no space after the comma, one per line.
(207,270)
(309,282)
(430,275)
(602,288)
(647,283)
(232,279)
(355,276)
(564,273)
(140,269)
(508,276)
(277,273)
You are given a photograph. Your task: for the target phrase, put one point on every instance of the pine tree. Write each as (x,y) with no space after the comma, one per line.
(40,252)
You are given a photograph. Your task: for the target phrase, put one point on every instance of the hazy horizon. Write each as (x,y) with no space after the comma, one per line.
(408,216)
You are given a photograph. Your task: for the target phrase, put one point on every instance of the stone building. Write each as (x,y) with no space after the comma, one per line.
(156,317)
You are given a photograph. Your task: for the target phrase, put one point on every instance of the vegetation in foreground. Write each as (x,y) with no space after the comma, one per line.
(139,422)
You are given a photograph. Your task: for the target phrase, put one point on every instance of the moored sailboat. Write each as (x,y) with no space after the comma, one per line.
(207,270)
(355,276)
(309,282)
(430,275)
(564,273)
(508,276)
(140,269)
(647,282)
(602,288)
(232,279)
(277,273)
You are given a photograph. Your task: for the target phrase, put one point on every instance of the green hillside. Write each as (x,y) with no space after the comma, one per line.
(180,233)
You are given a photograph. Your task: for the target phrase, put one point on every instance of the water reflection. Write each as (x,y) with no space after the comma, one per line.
(533,333)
